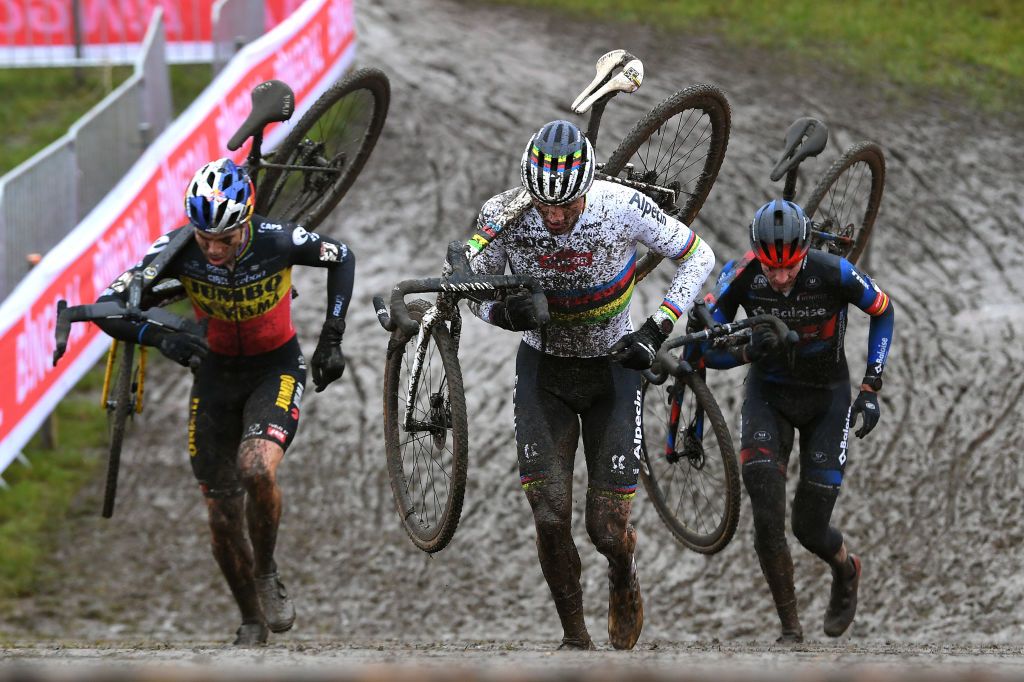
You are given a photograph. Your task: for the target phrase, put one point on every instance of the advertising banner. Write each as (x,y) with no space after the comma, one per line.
(309,50)
(43,31)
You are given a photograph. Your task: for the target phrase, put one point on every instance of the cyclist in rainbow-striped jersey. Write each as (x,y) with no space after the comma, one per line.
(579,373)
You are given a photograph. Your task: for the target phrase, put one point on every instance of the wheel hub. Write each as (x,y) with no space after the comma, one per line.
(440,419)
(693,450)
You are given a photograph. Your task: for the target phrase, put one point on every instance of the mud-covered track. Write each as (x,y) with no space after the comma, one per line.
(931,498)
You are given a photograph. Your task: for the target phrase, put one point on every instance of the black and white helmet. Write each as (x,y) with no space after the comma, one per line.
(558,164)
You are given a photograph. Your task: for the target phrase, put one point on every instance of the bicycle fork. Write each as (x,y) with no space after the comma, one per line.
(422,338)
(693,436)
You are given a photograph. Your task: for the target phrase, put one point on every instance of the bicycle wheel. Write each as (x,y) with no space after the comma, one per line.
(336,137)
(427,462)
(119,409)
(846,200)
(679,144)
(690,471)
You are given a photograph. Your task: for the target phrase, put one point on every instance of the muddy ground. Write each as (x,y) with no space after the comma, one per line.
(931,499)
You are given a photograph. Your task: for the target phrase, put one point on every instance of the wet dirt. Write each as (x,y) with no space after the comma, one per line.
(930,500)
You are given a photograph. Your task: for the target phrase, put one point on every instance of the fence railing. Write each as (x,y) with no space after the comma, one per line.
(235,24)
(145,203)
(44,198)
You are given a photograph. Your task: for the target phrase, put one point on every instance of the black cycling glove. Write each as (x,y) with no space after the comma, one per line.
(636,350)
(328,362)
(764,341)
(186,349)
(516,313)
(866,405)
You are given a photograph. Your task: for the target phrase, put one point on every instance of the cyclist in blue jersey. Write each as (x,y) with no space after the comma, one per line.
(578,375)
(250,373)
(807,389)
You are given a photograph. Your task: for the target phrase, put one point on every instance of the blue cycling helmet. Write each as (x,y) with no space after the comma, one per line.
(220,197)
(780,234)
(558,164)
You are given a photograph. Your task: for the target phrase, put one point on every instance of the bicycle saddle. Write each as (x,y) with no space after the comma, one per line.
(806,137)
(271,101)
(628,80)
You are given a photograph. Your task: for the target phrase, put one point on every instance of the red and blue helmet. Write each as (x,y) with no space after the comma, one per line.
(780,234)
(558,164)
(220,197)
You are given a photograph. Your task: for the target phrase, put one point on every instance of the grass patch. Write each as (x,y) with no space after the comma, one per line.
(961,49)
(187,81)
(39,496)
(40,104)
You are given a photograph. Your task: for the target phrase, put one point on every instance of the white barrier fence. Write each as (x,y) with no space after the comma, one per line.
(45,197)
(309,50)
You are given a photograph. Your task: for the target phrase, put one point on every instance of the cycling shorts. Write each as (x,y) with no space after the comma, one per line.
(771,411)
(235,398)
(555,397)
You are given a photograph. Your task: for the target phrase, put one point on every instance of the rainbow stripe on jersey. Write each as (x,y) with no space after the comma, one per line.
(673,311)
(594,304)
(483,236)
(689,248)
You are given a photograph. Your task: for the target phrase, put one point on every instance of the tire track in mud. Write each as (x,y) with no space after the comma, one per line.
(948,249)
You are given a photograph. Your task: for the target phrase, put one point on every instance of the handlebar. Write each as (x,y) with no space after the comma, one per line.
(665,364)
(399,316)
(115,310)
(720,329)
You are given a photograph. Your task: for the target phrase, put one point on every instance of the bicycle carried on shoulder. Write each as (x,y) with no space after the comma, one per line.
(672,154)
(844,203)
(301,181)
(688,463)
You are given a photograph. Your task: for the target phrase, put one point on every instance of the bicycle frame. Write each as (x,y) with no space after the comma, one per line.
(457,277)
(665,367)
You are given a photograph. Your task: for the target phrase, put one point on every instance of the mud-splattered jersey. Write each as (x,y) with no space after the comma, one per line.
(588,274)
(249,305)
(815,308)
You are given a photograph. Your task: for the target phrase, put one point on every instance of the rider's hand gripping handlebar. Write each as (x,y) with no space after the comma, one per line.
(665,364)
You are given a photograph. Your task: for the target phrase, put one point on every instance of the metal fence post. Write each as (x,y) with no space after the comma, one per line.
(76,26)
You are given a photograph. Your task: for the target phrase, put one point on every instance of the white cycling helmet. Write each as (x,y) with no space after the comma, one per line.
(558,164)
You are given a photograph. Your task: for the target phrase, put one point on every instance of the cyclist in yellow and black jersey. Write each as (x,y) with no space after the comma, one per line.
(250,372)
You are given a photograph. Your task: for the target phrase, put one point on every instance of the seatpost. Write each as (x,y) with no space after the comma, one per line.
(789,190)
(594,124)
(255,157)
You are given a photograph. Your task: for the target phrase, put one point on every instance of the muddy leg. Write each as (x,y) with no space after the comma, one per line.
(766,485)
(559,559)
(613,536)
(812,511)
(258,460)
(233,554)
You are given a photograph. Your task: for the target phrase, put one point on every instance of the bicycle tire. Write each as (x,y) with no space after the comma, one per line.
(118,411)
(843,185)
(430,523)
(710,117)
(341,130)
(684,516)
